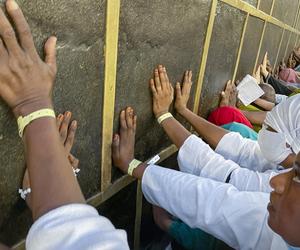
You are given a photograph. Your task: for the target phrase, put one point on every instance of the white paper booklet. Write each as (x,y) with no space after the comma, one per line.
(249,90)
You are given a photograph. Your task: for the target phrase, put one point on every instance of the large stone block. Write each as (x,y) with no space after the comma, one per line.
(152,33)
(271,42)
(250,47)
(222,54)
(283,11)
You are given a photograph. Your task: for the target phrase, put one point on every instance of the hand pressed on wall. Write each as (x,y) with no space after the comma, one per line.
(183,92)
(26,81)
(162,90)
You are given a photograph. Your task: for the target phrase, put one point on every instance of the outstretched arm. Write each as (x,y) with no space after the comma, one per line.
(266,105)
(163,93)
(26,86)
(211,133)
(255,117)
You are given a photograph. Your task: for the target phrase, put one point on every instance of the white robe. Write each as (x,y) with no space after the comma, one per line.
(234,155)
(285,118)
(236,217)
(75,227)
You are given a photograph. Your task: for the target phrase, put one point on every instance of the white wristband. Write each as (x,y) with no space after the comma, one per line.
(164,117)
(133,165)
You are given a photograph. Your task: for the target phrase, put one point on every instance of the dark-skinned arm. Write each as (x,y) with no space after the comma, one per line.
(26,86)
(163,94)
(266,105)
(211,133)
(255,117)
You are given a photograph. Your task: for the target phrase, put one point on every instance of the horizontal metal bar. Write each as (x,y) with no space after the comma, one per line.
(248,8)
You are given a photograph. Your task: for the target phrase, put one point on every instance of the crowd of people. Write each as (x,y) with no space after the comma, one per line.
(238,180)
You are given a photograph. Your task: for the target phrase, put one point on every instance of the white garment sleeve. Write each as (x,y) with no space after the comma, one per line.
(197,158)
(244,152)
(237,218)
(72,227)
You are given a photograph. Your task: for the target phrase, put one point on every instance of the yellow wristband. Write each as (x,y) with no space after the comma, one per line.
(164,117)
(133,165)
(24,121)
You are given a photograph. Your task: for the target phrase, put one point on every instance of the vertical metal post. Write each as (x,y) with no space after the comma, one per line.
(111,55)
(205,55)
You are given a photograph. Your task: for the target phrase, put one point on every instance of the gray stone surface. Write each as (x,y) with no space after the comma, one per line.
(149,35)
(283,46)
(270,43)
(252,2)
(151,32)
(265,5)
(283,11)
(291,44)
(80,30)
(222,55)
(250,47)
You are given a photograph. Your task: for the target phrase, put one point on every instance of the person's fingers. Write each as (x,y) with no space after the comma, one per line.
(59,120)
(265,59)
(190,76)
(152,86)
(7,32)
(73,161)
(22,26)
(228,85)
(63,130)
(168,84)
(50,53)
(116,147)
(178,89)
(3,51)
(172,92)
(186,76)
(123,120)
(166,74)
(157,81)
(134,122)
(70,136)
(162,77)
(129,117)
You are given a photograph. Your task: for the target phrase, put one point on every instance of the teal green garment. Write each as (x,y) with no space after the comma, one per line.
(244,130)
(194,238)
(297,68)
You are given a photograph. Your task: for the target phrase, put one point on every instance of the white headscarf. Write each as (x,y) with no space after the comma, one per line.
(285,118)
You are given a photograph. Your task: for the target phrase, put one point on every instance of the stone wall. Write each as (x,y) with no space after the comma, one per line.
(170,32)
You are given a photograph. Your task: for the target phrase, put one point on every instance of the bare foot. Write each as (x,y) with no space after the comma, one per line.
(67,130)
(123,142)
(183,93)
